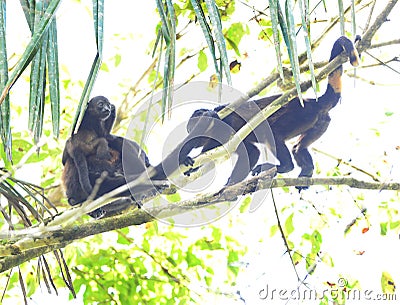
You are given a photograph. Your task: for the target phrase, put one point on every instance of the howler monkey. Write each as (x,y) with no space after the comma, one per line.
(90,139)
(93,150)
(292,120)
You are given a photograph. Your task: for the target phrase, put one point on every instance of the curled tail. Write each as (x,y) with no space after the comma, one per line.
(340,45)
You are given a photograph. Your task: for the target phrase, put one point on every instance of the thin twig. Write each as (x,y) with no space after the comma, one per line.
(288,250)
(341,161)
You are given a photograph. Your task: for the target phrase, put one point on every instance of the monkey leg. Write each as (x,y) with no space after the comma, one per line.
(284,157)
(304,161)
(73,189)
(300,151)
(248,155)
(83,172)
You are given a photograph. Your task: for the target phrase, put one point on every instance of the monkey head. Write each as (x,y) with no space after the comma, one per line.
(100,107)
(202,120)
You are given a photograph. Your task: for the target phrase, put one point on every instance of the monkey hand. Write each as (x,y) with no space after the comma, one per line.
(188,161)
(257,170)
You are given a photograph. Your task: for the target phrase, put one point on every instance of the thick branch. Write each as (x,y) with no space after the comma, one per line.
(19,251)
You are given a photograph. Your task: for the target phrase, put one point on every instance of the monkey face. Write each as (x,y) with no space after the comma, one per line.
(100,107)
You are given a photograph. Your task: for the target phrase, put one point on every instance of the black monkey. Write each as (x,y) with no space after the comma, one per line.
(308,122)
(84,163)
(90,139)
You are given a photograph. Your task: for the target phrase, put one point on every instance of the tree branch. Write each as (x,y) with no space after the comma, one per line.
(15,250)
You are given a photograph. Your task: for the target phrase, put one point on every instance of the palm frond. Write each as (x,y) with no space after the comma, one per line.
(98,21)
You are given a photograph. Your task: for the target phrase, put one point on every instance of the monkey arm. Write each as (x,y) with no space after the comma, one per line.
(248,155)
(200,128)
(177,157)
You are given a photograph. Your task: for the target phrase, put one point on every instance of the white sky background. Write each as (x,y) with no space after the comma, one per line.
(351,135)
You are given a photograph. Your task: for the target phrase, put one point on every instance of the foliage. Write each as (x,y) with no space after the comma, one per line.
(155,265)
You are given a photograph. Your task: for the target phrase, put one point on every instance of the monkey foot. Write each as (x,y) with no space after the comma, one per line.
(302,188)
(98,213)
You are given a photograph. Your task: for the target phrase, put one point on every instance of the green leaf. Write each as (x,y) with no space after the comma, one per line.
(387,283)
(215,18)
(38,79)
(297,258)
(54,77)
(233,257)
(235,270)
(274,11)
(169,34)
(5,130)
(394,225)
(327,259)
(316,241)
(33,46)
(216,234)
(384,228)
(21,147)
(31,283)
(192,260)
(245,204)
(291,45)
(207,33)
(146,245)
(117,60)
(121,238)
(104,67)
(234,35)
(202,61)
(273,230)
(289,228)
(98,21)
(174,197)
(304,12)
